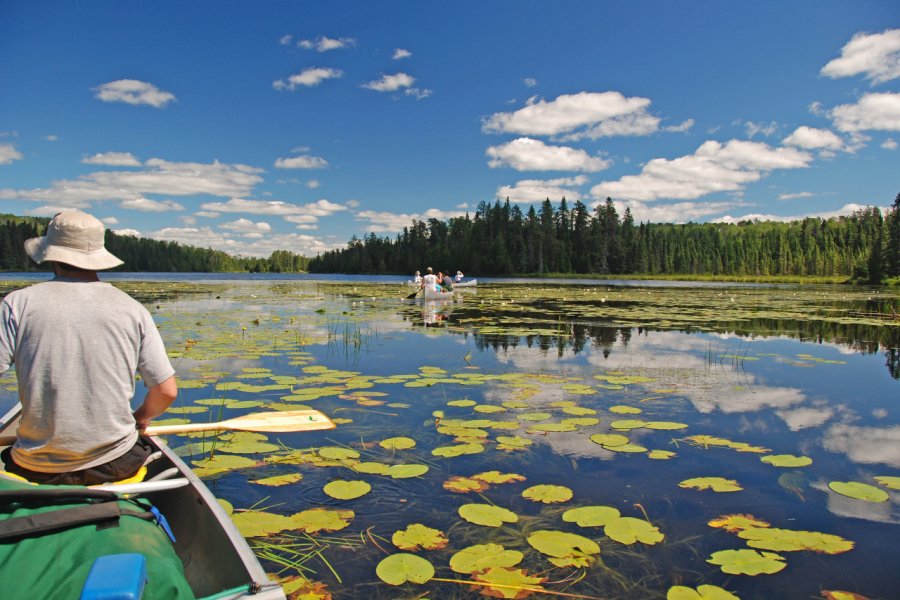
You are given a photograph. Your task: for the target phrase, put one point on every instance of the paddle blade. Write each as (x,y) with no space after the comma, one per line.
(413,295)
(275,421)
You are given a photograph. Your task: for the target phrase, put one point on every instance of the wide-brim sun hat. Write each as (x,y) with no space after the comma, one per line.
(74,238)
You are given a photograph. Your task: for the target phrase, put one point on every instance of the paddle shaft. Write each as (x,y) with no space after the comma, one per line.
(276,421)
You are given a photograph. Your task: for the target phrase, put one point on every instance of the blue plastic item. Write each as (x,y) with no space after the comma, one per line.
(116,577)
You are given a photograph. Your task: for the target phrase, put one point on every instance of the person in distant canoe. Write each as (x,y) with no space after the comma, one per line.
(418,279)
(459,276)
(77,344)
(446,282)
(430,279)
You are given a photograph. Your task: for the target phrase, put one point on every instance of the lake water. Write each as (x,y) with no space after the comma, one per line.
(626,395)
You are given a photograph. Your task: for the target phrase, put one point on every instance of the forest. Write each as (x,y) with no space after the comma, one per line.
(143,254)
(502,240)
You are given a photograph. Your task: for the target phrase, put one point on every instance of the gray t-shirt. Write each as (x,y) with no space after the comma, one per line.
(77,346)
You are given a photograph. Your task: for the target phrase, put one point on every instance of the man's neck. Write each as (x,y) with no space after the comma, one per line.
(63,270)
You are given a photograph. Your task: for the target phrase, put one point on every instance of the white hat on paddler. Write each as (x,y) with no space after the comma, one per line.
(74,238)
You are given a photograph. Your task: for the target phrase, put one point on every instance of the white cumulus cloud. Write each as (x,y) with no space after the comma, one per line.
(570,112)
(325,43)
(714,167)
(301,162)
(877,55)
(132,91)
(112,159)
(811,138)
(528,154)
(872,112)
(147,205)
(391,83)
(400,53)
(529,191)
(388,222)
(9,154)
(246,226)
(307,78)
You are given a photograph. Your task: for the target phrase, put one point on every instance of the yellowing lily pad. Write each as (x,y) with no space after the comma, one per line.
(703,592)
(747,562)
(279,480)
(417,536)
(548,494)
(609,439)
(398,569)
(664,425)
(322,519)
(786,460)
(253,523)
(716,484)
(457,450)
(347,490)
(487,514)
(462,403)
(338,453)
(735,523)
(859,491)
(464,485)
(591,516)
(398,443)
(498,477)
(625,410)
(660,454)
(787,540)
(371,468)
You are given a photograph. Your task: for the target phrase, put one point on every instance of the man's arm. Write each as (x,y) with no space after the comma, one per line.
(156,402)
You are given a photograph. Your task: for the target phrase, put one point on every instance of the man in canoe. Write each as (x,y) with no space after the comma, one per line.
(446,282)
(77,344)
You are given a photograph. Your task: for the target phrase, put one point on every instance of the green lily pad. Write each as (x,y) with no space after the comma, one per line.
(487,514)
(660,454)
(628,424)
(664,425)
(859,491)
(398,443)
(570,547)
(591,516)
(629,530)
(498,477)
(406,471)
(716,484)
(506,582)
(703,592)
(747,562)
(462,403)
(337,453)
(398,569)
(625,410)
(548,494)
(347,490)
(889,481)
(371,468)
(609,439)
(417,536)
(786,460)
(253,523)
(457,450)
(483,556)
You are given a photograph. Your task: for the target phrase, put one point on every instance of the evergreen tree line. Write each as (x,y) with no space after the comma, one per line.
(142,254)
(501,240)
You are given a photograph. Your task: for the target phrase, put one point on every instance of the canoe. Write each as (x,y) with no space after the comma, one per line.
(217,560)
(430,294)
(463,284)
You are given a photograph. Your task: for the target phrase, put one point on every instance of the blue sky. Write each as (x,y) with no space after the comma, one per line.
(256,126)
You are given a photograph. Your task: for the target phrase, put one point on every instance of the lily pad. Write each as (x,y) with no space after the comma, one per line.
(457,450)
(735,523)
(859,491)
(398,443)
(787,540)
(628,530)
(513,584)
(786,460)
(548,494)
(406,471)
(703,592)
(338,453)
(483,556)
(347,490)
(716,484)
(279,480)
(889,481)
(254,523)
(747,562)
(322,519)
(591,516)
(487,514)
(465,485)
(398,569)
(573,548)
(417,536)
(609,439)
(498,477)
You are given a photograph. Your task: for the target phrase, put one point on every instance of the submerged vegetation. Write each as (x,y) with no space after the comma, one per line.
(576,441)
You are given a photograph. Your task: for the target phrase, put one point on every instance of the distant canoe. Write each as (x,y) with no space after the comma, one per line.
(431,294)
(469,283)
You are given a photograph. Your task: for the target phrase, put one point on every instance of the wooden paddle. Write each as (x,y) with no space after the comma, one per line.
(414,294)
(275,421)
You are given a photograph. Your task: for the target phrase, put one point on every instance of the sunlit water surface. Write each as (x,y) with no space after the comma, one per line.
(807,372)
